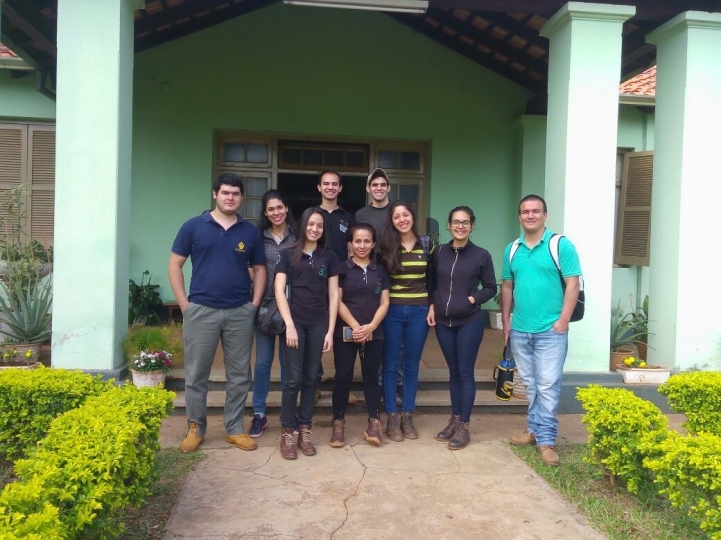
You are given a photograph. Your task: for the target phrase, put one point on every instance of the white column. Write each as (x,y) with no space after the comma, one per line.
(92,193)
(584,74)
(684,292)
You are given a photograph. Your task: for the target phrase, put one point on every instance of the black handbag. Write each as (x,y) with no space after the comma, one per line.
(269,320)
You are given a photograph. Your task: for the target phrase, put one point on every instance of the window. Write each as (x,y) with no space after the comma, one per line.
(28,159)
(633,227)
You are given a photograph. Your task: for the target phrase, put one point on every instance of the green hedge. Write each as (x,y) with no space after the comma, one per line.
(95,460)
(618,422)
(688,471)
(31,398)
(697,394)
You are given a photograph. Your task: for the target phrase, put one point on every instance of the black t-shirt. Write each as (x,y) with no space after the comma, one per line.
(362,291)
(309,284)
(338,222)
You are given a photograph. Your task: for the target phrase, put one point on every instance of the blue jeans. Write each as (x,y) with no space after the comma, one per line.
(404,326)
(460,346)
(540,358)
(264,353)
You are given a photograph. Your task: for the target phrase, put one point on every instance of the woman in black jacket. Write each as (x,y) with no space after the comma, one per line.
(461,269)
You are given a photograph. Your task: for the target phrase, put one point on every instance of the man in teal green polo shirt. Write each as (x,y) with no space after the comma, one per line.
(541,314)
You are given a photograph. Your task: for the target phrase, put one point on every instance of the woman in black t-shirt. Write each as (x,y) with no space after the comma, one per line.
(364,301)
(309,314)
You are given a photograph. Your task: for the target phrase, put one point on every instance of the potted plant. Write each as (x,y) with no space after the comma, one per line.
(149,351)
(18,356)
(635,370)
(25,310)
(149,367)
(494,315)
(639,320)
(144,302)
(623,337)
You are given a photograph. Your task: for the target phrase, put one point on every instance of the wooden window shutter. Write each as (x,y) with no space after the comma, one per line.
(13,160)
(633,234)
(41,184)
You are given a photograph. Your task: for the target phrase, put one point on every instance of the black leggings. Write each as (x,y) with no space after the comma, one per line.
(345,354)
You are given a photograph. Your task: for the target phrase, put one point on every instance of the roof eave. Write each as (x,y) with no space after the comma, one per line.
(636,100)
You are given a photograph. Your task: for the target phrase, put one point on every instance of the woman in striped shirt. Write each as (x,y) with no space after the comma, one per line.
(405,327)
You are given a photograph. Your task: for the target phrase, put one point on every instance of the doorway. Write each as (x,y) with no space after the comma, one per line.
(302,192)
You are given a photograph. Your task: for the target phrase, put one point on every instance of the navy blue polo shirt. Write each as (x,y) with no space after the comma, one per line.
(362,289)
(220,259)
(309,284)
(337,224)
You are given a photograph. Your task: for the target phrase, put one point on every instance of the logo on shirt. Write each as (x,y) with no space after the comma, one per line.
(343,226)
(323,272)
(278,259)
(378,289)
(240,248)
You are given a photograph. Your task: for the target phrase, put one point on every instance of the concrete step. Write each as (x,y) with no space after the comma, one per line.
(427,400)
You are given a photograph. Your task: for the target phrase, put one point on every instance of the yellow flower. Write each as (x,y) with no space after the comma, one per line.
(628,361)
(6,355)
(28,353)
(642,364)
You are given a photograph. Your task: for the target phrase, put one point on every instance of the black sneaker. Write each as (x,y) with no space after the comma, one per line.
(257,426)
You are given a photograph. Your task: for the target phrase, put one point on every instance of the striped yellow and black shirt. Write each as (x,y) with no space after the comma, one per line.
(409,287)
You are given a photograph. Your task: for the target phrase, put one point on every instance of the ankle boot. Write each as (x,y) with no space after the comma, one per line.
(373,433)
(306,447)
(393,429)
(409,432)
(337,438)
(287,450)
(447,433)
(461,437)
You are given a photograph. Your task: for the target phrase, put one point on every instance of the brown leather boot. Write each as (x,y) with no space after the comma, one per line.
(393,428)
(306,447)
(461,437)
(549,455)
(373,433)
(409,432)
(287,450)
(448,431)
(337,438)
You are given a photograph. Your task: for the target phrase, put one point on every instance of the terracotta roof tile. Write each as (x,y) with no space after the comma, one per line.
(643,84)
(6,53)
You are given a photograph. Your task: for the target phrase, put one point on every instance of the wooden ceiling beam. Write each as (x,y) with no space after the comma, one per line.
(30,21)
(526,33)
(22,45)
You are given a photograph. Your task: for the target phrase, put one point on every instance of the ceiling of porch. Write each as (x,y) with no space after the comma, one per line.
(501,35)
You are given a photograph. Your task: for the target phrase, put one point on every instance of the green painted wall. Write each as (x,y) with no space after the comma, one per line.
(317,72)
(19,99)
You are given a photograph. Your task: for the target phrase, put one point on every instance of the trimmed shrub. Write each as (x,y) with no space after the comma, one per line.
(31,398)
(617,422)
(697,394)
(688,471)
(95,460)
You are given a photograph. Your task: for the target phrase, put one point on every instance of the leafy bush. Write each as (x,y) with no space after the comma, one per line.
(31,399)
(95,460)
(617,423)
(688,472)
(697,394)
(144,302)
(151,338)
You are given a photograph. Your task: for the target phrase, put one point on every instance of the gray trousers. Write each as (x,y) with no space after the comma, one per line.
(203,327)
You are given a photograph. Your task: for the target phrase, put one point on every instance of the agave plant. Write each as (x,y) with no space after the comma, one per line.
(623,330)
(26,311)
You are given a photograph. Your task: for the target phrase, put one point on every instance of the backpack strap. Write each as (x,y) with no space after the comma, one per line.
(553,250)
(514,248)
(425,241)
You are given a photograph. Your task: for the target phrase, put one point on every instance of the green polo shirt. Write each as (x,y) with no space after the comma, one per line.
(537,292)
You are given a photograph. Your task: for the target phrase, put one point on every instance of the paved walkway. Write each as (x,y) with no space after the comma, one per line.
(414,489)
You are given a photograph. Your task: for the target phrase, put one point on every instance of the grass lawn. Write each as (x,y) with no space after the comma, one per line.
(614,512)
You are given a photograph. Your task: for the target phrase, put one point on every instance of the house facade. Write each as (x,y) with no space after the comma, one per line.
(283,91)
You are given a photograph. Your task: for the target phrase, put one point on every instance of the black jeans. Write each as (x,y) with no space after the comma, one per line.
(301,373)
(345,353)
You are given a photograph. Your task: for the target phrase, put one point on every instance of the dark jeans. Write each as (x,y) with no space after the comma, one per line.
(301,373)
(460,346)
(370,356)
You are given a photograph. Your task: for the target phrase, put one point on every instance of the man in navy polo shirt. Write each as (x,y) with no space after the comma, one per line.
(221,246)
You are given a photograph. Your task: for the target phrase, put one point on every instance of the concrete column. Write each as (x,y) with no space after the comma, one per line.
(684,295)
(583,78)
(92,188)
(533,160)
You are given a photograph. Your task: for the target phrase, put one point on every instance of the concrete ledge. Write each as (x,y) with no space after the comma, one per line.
(574,380)
(119,374)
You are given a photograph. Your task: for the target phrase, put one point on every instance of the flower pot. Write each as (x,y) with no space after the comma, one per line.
(22,366)
(642,350)
(148,378)
(519,389)
(652,375)
(624,351)
(496,319)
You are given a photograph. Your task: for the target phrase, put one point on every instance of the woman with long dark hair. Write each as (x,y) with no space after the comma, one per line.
(363,305)
(278,231)
(464,280)
(309,312)
(405,327)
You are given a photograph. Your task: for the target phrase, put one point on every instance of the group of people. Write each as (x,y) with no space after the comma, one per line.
(366,285)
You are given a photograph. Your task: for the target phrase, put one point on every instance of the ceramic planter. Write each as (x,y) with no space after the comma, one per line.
(657,375)
(148,378)
(496,319)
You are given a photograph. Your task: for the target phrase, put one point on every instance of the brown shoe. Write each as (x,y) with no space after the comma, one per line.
(393,428)
(192,440)
(447,433)
(373,433)
(461,437)
(409,432)
(523,439)
(549,455)
(242,441)
(306,447)
(337,438)
(287,450)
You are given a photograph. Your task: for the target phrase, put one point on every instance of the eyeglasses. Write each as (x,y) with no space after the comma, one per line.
(464,224)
